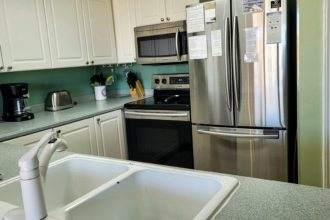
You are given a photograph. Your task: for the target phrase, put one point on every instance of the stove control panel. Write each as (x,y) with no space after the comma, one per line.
(170,81)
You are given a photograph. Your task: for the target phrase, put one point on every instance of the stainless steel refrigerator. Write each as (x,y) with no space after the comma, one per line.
(238,87)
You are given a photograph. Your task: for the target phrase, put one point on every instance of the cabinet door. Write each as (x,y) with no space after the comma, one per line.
(176,10)
(66,33)
(110,135)
(29,140)
(124,18)
(80,136)
(100,31)
(150,12)
(24,35)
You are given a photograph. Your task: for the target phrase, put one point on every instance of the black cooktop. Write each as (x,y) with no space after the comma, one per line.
(163,100)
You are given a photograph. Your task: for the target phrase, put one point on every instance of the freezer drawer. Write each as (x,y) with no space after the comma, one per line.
(247,152)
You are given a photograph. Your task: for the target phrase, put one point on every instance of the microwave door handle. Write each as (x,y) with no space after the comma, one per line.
(177,44)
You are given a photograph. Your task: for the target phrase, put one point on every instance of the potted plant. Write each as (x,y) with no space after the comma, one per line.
(99,82)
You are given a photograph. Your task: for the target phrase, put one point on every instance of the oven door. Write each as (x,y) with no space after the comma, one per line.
(167,45)
(160,137)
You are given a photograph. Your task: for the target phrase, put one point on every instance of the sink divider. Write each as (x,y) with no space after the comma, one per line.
(103,187)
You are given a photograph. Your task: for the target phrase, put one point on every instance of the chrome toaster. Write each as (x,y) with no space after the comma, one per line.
(58,100)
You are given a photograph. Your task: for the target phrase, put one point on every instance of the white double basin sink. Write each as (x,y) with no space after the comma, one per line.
(87,187)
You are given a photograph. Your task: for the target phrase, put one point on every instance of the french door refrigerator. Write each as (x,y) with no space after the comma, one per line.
(239,87)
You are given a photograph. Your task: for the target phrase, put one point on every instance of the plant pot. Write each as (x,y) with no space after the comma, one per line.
(100,93)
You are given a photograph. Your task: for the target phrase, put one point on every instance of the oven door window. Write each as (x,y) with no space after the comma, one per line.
(160,142)
(157,46)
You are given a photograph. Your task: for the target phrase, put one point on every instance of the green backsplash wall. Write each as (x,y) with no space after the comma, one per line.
(310,91)
(76,80)
(144,72)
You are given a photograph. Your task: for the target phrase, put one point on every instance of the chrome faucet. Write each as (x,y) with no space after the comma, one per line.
(33,169)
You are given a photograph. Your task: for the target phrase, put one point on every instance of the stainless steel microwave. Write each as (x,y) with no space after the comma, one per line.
(161,43)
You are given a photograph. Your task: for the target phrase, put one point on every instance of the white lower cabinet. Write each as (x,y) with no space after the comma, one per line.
(110,135)
(102,135)
(80,136)
(29,140)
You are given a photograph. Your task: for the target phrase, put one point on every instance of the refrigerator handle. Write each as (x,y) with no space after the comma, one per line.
(237,135)
(236,64)
(227,64)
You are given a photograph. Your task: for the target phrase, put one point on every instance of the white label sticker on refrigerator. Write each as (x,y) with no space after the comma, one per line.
(195,18)
(197,47)
(274,27)
(216,43)
(210,15)
(253,5)
(251,44)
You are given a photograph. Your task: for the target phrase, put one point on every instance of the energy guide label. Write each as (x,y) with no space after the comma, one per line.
(253,6)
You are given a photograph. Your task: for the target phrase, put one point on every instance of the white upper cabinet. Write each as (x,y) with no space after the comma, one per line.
(150,12)
(100,32)
(66,33)
(23,35)
(124,18)
(176,9)
(158,11)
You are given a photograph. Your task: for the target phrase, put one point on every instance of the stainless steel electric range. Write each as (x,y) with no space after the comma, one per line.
(158,128)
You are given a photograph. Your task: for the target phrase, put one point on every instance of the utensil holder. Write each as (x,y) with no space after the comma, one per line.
(100,93)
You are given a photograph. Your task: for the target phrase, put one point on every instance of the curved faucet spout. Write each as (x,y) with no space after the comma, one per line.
(31,168)
(45,155)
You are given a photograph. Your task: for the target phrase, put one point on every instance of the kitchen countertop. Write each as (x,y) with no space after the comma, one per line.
(254,199)
(44,120)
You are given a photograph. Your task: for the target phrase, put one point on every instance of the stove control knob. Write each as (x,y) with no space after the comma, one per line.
(157,81)
(164,81)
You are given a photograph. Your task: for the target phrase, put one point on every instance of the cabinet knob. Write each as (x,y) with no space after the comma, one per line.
(87,63)
(9,68)
(162,19)
(168,19)
(98,121)
(1,68)
(92,62)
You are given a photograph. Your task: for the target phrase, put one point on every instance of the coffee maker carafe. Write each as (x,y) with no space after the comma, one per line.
(14,97)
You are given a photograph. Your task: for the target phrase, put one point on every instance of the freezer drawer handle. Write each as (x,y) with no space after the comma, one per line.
(238,135)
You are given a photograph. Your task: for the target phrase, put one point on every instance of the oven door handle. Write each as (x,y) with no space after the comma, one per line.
(158,114)
(184,116)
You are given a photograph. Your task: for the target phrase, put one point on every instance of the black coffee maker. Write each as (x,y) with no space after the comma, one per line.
(14,97)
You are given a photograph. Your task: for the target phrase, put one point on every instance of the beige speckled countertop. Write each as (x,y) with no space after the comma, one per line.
(44,120)
(254,199)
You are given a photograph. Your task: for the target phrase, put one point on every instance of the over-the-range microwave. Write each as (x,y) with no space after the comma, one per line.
(161,43)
